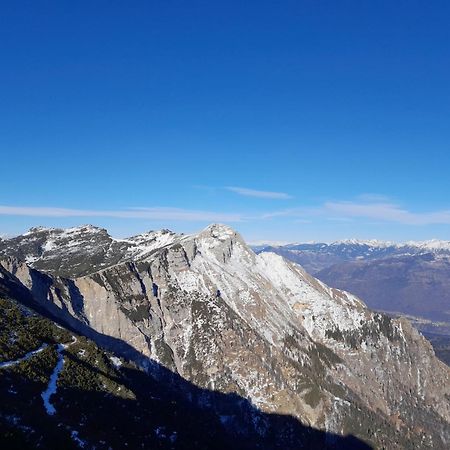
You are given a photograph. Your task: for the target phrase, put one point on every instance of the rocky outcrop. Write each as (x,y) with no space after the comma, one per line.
(209,309)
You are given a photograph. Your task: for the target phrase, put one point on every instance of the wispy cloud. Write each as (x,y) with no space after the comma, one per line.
(259,194)
(162,213)
(338,211)
(292,212)
(383,211)
(389,212)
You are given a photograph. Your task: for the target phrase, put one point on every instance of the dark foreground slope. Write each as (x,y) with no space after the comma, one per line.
(102,401)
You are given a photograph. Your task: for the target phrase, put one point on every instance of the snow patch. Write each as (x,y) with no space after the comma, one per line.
(51,388)
(76,439)
(52,384)
(117,363)
(24,358)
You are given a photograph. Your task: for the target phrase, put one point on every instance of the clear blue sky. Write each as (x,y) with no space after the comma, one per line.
(289,120)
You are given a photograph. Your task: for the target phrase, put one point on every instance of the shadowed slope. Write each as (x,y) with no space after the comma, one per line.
(105,404)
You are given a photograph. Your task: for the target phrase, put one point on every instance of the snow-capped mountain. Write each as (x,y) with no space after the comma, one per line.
(317,256)
(430,245)
(210,310)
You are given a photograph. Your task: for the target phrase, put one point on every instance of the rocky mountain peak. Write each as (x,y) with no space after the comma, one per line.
(219,231)
(223,245)
(218,235)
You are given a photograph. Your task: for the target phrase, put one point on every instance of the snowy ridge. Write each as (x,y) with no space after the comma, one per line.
(266,284)
(432,245)
(143,244)
(368,243)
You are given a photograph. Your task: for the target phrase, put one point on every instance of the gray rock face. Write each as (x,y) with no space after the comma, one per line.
(209,309)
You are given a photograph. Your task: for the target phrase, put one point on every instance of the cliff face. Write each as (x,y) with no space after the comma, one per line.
(209,309)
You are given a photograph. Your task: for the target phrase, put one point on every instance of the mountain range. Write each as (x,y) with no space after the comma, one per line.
(273,357)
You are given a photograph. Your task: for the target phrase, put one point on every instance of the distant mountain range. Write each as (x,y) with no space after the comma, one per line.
(411,278)
(266,355)
(317,256)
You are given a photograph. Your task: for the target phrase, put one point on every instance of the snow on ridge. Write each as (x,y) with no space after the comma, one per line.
(311,299)
(367,242)
(428,245)
(246,280)
(117,362)
(143,244)
(38,229)
(83,228)
(432,244)
(24,358)
(66,231)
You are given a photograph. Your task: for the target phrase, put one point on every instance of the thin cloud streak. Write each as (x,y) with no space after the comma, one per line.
(258,194)
(329,211)
(389,212)
(381,211)
(293,212)
(136,213)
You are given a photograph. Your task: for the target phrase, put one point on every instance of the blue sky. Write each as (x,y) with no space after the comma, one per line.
(289,120)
